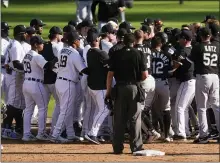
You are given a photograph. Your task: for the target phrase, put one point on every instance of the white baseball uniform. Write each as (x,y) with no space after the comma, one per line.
(70,64)
(34,91)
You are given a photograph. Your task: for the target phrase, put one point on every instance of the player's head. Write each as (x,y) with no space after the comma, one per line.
(127,26)
(4,29)
(129,39)
(121,34)
(67,29)
(168,31)
(93,38)
(85,26)
(208,18)
(30,32)
(107,31)
(37,43)
(139,36)
(38,25)
(205,34)
(147,31)
(55,34)
(148,22)
(185,27)
(73,23)
(20,32)
(215,30)
(185,37)
(158,24)
(73,39)
(175,35)
(163,36)
(156,43)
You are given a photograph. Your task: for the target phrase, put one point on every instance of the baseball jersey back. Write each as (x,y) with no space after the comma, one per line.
(70,64)
(33,65)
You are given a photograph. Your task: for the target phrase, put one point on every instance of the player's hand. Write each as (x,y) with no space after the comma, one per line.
(121,9)
(176,64)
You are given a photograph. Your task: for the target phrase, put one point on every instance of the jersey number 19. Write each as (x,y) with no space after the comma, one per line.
(27,67)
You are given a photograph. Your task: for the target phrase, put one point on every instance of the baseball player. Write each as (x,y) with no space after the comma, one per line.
(38,25)
(205,56)
(106,32)
(148,84)
(14,80)
(83,10)
(70,64)
(34,90)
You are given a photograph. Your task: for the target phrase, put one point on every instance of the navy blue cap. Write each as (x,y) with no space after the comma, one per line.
(148,21)
(92,36)
(55,30)
(145,28)
(204,31)
(30,30)
(37,22)
(4,26)
(87,23)
(168,30)
(68,28)
(107,29)
(19,29)
(215,29)
(186,34)
(207,17)
(36,40)
(126,25)
(72,22)
(72,36)
(121,33)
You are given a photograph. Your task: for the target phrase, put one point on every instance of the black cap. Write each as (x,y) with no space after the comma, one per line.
(68,28)
(148,21)
(176,31)
(37,22)
(126,25)
(72,36)
(168,30)
(73,23)
(158,22)
(55,30)
(204,31)
(30,30)
(186,34)
(92,36)
(4,26)
(87,23)
(19,29)
(215,29)
(121,33)
(36,40)
(107,29)
(145,29)
(114,20)
(207,17)
(129,38)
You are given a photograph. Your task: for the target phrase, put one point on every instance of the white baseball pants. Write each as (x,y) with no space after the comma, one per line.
(101,110)
(35,94)
(67,95)
(207,93)
(185,95)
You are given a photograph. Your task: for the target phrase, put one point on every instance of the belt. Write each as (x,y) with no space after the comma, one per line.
(160,79)
(125,83)
(66,79)
(33,79)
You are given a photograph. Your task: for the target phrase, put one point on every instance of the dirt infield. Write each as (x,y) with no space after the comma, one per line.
(43,152)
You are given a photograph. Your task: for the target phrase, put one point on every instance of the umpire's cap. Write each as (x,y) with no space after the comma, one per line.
(72,36)
(19,29)
(148,21)
(207,17)
(205,32)
(36,22)
(30,30)
(36,40)
(69,28)
(55,30)
(5,26)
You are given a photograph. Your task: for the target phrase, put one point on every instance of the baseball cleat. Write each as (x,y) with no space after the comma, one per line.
(92,139)
(58,139)
(73,138)
(154,135)
(43,136)
(179,138)
(9,134)
(29,137)
(101,138)
(168,140)
(200,140)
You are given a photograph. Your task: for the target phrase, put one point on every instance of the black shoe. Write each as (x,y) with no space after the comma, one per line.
(117,152)
(77,128)
(101,138)
(200,140)
(92,139)
(178,137)
(139,149)
(214,135)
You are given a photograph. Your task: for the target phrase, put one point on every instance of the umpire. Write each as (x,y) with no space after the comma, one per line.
(127,66)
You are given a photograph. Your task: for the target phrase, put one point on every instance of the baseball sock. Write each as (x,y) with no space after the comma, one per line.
(167,122)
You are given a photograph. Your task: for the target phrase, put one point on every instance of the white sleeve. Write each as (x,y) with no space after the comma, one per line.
(15,53)
(39,59)
(56,49)
(85,51)
(78,62)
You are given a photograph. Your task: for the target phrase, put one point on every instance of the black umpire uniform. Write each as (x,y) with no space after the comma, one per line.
(128,67)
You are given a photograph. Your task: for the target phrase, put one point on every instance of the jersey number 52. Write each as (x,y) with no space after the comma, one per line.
(63,60)
(210,59)
(27,67)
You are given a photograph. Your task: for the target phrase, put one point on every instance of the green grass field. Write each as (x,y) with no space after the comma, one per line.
(59,12)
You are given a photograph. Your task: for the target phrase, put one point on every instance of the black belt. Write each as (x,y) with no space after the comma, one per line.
(125,83)
(65,79)
(33,79)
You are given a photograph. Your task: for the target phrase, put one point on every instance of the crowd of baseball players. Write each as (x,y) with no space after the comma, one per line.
(180,103)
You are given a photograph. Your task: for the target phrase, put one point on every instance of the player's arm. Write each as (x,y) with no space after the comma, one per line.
(104,58)
(121,5)
(79,64)
(15,58)
(41,62)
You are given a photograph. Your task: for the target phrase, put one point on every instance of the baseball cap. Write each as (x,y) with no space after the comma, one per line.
(126,25)
(87,23)
(107,29)
(73,23)
(4,26)
(19,29)
(215,29)
(205,31)
(114,25)
(168,30)
(36,40)
(55,30)
(121,33)
(30,30)
(148,21)
(158,22)
(207,17)
(37,22)
(72,36)
(68,28)
(186,34)
(176,31)
(92,36)
(145,28)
